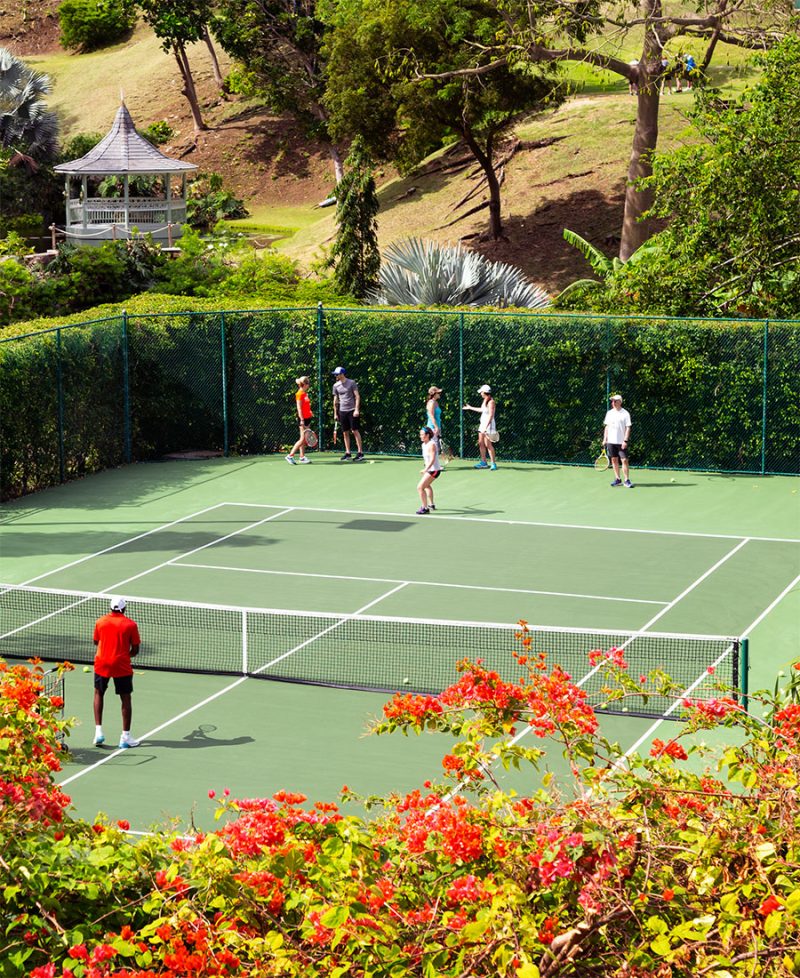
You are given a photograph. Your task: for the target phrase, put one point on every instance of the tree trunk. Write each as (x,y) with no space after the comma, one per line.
(338,167)
(636,231)
(214,62)
(188,87)
(487,165)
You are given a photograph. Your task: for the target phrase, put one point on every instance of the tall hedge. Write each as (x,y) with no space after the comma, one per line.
(702,393)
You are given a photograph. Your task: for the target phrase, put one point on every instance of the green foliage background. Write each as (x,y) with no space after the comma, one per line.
(701,393)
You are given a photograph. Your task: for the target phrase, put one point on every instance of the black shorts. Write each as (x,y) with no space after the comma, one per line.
(306,422)
(434,475)
(617,451)
(122,684)
(347,422)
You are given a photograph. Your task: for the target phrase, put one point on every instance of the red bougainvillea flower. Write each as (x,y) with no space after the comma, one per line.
(771,904)
(673,749)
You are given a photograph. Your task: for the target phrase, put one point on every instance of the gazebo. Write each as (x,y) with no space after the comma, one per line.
(126,155)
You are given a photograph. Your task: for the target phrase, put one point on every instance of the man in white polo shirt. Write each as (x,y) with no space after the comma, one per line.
(616,435)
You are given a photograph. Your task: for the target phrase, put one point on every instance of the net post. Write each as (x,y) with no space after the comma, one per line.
(62,469)
(460,384)
(744,669)
(224,385)
(320,353)
(764,399)
(126,390)
(245,664)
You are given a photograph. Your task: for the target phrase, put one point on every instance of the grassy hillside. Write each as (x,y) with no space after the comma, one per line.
(569,169)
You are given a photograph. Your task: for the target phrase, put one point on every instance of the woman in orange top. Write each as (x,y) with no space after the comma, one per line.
(304,414)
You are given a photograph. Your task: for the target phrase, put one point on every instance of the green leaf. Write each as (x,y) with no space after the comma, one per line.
(335,917)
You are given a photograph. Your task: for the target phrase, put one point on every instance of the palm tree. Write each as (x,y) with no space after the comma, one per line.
(26,124)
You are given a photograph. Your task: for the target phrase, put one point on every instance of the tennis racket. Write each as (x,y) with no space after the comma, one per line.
(493,436)
(310,438)
(446,453)
(335,431)
(601,463)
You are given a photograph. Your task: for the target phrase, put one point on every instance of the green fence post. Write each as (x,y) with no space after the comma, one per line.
(764,400)
(744,670)
(320,357)
(126,392)
(62,469)
(460,385)
(224,366)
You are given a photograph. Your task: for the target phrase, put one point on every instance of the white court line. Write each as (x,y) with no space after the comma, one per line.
(642,631)
(391,580)
(116,546)
(558,526)
(222,692)
(677,702)
(113,587)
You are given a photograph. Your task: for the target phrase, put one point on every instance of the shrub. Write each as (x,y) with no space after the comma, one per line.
(79,146)
(679,863)
(209,202)
(158,133)
(91,24)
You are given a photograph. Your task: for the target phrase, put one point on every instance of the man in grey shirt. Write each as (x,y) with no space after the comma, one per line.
(346,409)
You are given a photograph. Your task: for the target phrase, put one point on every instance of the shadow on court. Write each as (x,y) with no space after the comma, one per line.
(197,739)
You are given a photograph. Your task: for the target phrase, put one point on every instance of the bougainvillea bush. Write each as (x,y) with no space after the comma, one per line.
(675,864)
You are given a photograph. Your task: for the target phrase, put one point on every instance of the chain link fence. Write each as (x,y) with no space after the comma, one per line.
(704,395)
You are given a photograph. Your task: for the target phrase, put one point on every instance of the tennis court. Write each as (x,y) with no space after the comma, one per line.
(322,574)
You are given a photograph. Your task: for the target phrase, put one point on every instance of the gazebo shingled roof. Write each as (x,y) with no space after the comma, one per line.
(123,150)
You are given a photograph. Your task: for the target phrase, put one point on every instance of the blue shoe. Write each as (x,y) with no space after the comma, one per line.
(99,740)
(290,460)
(628,484)
(493,466)
(125,744)
(481,465)
(616,482)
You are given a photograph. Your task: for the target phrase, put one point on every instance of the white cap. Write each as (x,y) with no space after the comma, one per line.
(118,604)
(484,389)
(616,397)
(339,370)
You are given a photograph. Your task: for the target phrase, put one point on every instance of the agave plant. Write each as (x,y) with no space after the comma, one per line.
(25,122)
(424,273)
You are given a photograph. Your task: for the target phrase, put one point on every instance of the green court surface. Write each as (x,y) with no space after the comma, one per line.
(682,552)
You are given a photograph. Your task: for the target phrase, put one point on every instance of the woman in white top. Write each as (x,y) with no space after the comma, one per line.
(431,470)
(487,430)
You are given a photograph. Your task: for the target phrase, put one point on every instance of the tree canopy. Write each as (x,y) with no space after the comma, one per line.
(732,199)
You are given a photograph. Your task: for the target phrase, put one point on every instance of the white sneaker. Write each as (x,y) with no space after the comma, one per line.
(124,744)
(290,460)
(305,461)
(99,740)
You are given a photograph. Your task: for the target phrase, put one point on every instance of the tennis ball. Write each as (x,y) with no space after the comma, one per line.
(671,480)
(86,669)
(371,461)
(405,681)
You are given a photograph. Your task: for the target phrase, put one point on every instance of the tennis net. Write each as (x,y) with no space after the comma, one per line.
(352,651)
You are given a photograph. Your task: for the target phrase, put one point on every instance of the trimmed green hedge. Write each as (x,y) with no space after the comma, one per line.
(87,396)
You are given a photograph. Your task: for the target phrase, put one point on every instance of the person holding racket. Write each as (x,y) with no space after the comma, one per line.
(487,429)
(431,470)
(616,436)
(433,414)
(304,414)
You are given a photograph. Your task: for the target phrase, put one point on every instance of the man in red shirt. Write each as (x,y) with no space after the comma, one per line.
(117,639)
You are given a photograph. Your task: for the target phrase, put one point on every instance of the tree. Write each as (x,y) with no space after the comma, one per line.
(279,42)
(355,253)
(386,68)
(177,23)
(732,246)
(589,31)
(25,123)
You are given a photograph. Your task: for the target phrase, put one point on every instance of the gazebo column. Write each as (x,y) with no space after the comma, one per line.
(126,198)
(67,188)
(167,177)
(85,201)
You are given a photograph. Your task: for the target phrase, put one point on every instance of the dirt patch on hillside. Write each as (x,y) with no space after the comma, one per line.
(29,26)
